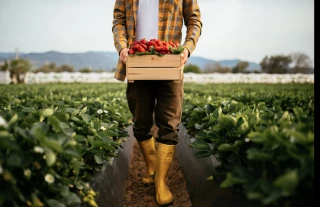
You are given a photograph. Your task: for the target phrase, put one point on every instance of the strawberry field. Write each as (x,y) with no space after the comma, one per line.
(55,137)
(262,136)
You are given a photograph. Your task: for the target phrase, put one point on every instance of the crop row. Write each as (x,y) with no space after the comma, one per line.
(262,136)
(53,138)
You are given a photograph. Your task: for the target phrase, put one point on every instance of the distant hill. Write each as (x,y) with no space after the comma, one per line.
(103,60)
(202,62)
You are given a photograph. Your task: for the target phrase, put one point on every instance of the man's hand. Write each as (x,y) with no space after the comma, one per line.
(185,55)
(123,55)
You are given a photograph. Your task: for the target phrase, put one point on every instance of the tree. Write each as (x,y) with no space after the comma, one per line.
(240,67)
(191,68)
(216,68)
(276,64)
(65,68)
(17,68)
(85,70)
(301,63)
(47,68)
(53,68)
(220,69)
(5,66)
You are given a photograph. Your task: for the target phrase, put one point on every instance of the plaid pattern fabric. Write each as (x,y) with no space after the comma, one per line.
(172,15)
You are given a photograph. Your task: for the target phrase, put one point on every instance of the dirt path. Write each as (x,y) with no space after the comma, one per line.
(139,195)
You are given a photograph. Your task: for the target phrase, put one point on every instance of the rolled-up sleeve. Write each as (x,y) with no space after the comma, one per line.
(119,25)
(192,19)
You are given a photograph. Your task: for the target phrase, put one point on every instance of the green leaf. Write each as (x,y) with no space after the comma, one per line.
(80,138)
(200,144)
(217,112)
(71,200)
(86,117)
(75,112)
(55,203)
(98,159)
(231,147)
(258,154)
(209,108)
(288,181)
(64,191)
(199,126)
(46,112)
(210,178)
(254,196)
(201,135)
(84,110)
(227,121)
(50,156)
(62,116)
(214,136)
(243,128)
(261,106)
(257,137)
(41,118)
(38,133)
(75,119)
(28,109)
(71,152)
(203,153)
(104,135)
(52,144)
(55,122)
(112,133)
(231,180)
(272,198)
(13,119)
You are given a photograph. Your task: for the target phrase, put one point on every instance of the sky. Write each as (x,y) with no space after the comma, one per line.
(247,30)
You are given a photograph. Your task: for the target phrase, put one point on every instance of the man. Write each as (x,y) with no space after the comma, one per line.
(155,19)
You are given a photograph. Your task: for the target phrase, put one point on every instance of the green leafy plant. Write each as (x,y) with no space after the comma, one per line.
(54,138)
(265,149)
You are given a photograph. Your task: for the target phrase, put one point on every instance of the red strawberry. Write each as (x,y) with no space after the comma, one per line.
(144,46)
(131,51)
(165,48)
(143,41)
(141,49)
(150,43)
(135,47)
(158,48)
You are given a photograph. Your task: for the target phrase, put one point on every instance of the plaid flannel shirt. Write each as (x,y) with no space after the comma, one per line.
(172,15)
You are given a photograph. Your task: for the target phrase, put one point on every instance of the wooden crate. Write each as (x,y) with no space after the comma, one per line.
(154,67)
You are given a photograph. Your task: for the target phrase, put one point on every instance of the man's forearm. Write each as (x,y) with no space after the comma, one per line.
(119,25)
(192,36)
(192,18)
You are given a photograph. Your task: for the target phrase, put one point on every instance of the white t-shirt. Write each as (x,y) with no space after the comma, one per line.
(147,19)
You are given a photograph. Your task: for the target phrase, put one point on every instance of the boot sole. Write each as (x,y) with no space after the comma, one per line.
(166,203)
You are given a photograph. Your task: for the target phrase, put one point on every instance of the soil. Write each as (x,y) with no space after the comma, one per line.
(138,194)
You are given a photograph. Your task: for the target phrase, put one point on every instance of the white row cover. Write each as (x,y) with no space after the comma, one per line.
(66,77)
(4,77)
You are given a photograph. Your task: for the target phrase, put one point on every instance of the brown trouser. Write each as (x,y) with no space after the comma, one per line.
(158,101)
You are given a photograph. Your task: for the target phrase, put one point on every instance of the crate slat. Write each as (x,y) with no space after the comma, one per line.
(153,67)
(154,73)
(170,61)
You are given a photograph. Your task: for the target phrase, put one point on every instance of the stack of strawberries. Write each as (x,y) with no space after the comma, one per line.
(154,47)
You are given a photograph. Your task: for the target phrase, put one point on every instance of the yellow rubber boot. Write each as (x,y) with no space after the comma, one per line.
(165,155)
(148,151)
